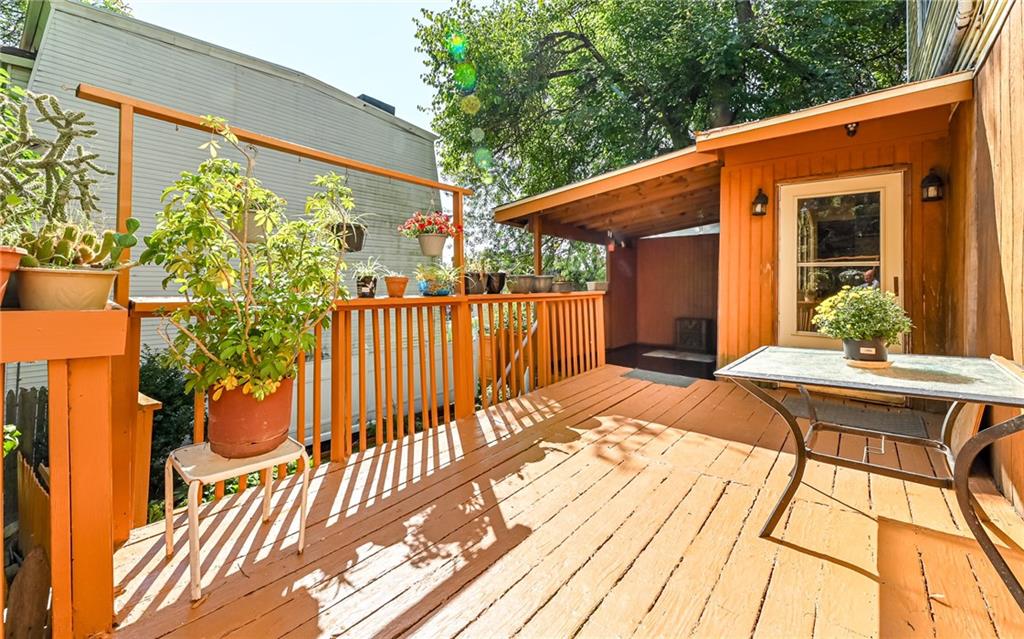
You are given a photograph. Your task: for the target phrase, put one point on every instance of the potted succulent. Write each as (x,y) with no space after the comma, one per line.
(561,284)
(866,318)
(396,283)
(366,277)
(252,307)
(65,260)
(542,283)
(436,279)
(475,277)
(520,283)
(333,207)
(431,229)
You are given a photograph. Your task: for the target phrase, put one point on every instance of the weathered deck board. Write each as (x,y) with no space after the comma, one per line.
(596,507)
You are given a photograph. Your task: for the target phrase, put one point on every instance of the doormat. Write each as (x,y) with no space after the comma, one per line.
(665,379)
(683,355)
(903,422)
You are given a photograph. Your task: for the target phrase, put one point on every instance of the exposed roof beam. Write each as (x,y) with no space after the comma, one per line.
(674,201)
(572,232)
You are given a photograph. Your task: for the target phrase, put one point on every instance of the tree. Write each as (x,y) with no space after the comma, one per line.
(533,95)
(12,17)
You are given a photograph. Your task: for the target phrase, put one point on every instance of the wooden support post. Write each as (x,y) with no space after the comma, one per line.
(125,157)
(339,352)
(538,255)
(459,260)
(462,355)
(124,393)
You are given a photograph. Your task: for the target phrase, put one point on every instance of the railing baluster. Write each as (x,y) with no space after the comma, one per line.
(317,390)
(378,415)
(432,365)
(444,361)
(361,340)
(411,425)
(422,343)
(399,386)
(339,354)
(480,340)
(346,424)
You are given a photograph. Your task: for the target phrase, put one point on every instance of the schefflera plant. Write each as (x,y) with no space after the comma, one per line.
(252,306)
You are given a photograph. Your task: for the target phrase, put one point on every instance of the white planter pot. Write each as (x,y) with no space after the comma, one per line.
(597,286)
(50,289)
(432,244)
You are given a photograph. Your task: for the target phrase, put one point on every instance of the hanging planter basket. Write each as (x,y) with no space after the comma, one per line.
(432,244)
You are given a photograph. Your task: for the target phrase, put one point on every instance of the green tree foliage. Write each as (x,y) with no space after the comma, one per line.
(12,17)
(533,95)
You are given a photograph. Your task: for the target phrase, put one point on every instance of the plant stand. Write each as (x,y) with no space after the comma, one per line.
(198,465)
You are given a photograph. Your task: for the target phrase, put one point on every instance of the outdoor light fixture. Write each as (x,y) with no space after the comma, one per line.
(851,129)
(760,204)
(932,187)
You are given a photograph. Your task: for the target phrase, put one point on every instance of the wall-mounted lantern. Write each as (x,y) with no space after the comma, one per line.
(760,206)
(932,187)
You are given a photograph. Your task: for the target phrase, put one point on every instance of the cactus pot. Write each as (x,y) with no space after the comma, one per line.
(73,289)
(432,244)
(542,283)
(520,284)
(396,285)
(242,426)
(10,257)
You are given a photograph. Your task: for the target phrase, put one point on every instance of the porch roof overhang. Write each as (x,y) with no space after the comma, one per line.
(680,190)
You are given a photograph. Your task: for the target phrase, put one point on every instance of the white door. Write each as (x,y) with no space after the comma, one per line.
(834,233)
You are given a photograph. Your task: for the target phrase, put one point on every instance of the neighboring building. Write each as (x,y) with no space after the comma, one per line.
(944,36)
(67,43)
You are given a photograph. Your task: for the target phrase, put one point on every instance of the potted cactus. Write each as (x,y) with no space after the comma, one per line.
(366,277)
(436,279)
(67,261)
(396,283)
(333,208)
(867,320)
(252,306)
(431,229)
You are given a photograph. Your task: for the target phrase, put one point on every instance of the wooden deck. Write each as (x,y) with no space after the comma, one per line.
(598,507)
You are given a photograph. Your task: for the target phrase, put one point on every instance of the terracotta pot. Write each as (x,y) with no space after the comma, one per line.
(542,283)
(396,285)
(242,426)
(870,350)
(10,257)
(476,283)
(432,244)
(52,289)
(350,236)
(495,283)
(520,284)
(366,286)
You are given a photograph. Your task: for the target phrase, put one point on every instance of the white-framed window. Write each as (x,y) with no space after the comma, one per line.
(835,233)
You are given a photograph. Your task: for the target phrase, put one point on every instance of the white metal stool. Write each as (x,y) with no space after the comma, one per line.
(198,465)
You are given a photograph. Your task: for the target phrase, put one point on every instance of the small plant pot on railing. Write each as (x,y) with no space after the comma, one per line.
(520,284)
(542,283)
(10,257)
(242,426)
(50,289)
(431,244)
(495,283)
(597,286)
(562,287)
(366,286)
(476,283)
(396,285)
(435,288)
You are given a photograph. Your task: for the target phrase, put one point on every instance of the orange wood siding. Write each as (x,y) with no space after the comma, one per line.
(986,226)
(620,303)
(676,277)
(915,141)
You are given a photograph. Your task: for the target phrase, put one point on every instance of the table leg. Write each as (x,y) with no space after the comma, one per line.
(169,508)
(302,501)
(796,475)
(967,503)
(194,494)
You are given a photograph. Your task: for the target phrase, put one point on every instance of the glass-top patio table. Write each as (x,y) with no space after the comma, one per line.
(962,381)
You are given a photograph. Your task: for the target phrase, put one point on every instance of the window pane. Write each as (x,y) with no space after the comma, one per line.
(839,227)
(816,283)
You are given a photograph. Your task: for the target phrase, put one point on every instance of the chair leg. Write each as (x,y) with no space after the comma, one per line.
(266,495)
(302,501)
(169,507)
(194,493)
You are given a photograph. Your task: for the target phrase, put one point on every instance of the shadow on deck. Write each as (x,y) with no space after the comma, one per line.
(598,506)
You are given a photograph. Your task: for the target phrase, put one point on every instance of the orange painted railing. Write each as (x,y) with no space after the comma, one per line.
(78,347)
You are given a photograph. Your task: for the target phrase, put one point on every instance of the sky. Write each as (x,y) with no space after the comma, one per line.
(357,46)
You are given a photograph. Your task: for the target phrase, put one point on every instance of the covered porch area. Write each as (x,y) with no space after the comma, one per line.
(597,506)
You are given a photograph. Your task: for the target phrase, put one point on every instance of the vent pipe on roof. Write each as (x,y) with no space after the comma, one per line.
(383,106)
(962,20)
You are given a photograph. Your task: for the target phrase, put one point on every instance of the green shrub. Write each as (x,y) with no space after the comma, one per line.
(173,423)
(862,313)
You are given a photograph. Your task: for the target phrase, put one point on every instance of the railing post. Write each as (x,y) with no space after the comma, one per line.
(462,354)
(599,300)
(124,393)
(544,350)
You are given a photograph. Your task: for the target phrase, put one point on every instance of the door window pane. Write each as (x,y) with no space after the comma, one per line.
(817,283)
(839,227)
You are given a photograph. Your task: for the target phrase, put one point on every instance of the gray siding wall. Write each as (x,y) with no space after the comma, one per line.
(84,45)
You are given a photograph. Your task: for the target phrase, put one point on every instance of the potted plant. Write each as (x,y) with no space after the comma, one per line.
(495,282)
(14,218)
(520,283)
(436,279)
(431,229)
(542,283)
(396,283)
(866,318)
(251,307)
(561,284)
(332,207)
(475,277)
(65,260)
(818,285)
(597,286)
(366,277)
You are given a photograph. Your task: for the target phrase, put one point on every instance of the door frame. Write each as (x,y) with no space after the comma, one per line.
(892,181)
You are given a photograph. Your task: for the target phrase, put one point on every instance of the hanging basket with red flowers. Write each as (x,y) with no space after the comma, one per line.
(432,229)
